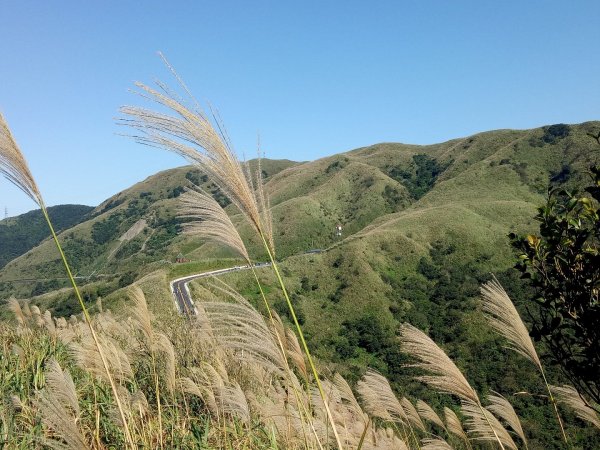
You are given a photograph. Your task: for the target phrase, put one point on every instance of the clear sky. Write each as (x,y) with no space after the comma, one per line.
(313,78)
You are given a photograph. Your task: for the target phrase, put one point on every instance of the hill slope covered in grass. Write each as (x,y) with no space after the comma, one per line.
(394,199)
(21,233)
(423,228)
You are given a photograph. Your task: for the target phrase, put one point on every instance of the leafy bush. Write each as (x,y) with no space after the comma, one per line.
(555,132)
(106,230)
(563,265)
(420,177)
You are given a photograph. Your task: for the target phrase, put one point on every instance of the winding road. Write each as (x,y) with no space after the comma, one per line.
(181,292)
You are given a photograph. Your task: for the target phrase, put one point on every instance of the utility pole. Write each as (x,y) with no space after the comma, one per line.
(5,212)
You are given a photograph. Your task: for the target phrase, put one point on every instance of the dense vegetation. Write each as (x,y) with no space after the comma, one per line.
(563,265)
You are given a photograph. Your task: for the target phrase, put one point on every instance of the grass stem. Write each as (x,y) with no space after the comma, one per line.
(88,320)
(303,341)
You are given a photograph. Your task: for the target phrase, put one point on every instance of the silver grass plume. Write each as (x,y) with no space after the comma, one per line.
(445,376)
(13,165)
(210,220)
(294,352)
(348,398)
(141,314)
(412,414)
(501,407)
(15,169)
(427,413)
(233,401)
(15,307)
(88,357)
(435,444)
(164,345)
(191,134)
(502,316)
(378,398)
(59,408)
(568,396)
(237,326)
(454,425)
(482,425)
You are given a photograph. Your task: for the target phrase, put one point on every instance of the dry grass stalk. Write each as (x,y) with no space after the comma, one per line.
(13,165)
(412,414)
(264,203)
(502,316)
(569,396)
(348,398)
(191,134)
(59,408)
(378,398)
(141,314)
(164,345)
(446,377)
(239,327)
(482,425)
(384,439)
(210,220)
(88,357)
(454,425)
(294,352)
(343,408)
(15,307)
(501,407)
(435,444)
(427,413)
(233,402)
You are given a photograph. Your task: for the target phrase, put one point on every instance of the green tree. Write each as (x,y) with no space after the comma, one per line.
(563,265)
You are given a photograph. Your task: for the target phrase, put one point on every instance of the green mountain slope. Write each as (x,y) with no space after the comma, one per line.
(128,235)
(21,233)
(423,227)
(470,192)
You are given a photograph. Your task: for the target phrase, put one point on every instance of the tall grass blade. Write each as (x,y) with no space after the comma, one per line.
(501,407)
(208,219)
(445,376)
(484,426)
(59,408)
(502,316)
(427,413)
(569,396)
(454,425)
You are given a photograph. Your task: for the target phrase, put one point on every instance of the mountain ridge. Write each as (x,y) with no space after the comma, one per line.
(486,178)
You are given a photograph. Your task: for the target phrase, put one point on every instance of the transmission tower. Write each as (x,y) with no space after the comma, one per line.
(5,212)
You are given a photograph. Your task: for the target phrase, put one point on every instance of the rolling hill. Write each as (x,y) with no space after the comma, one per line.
(21,233)
(470,191)
(423,227)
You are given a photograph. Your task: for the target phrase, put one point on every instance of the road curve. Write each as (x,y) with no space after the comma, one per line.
(181,292)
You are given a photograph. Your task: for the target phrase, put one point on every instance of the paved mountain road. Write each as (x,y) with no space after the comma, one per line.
(181,292)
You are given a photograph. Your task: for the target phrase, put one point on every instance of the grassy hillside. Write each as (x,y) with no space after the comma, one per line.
(21,233)
(423,227)
(393,201)
(130,234)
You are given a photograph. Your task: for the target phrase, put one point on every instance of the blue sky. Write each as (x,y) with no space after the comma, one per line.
(312,78)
